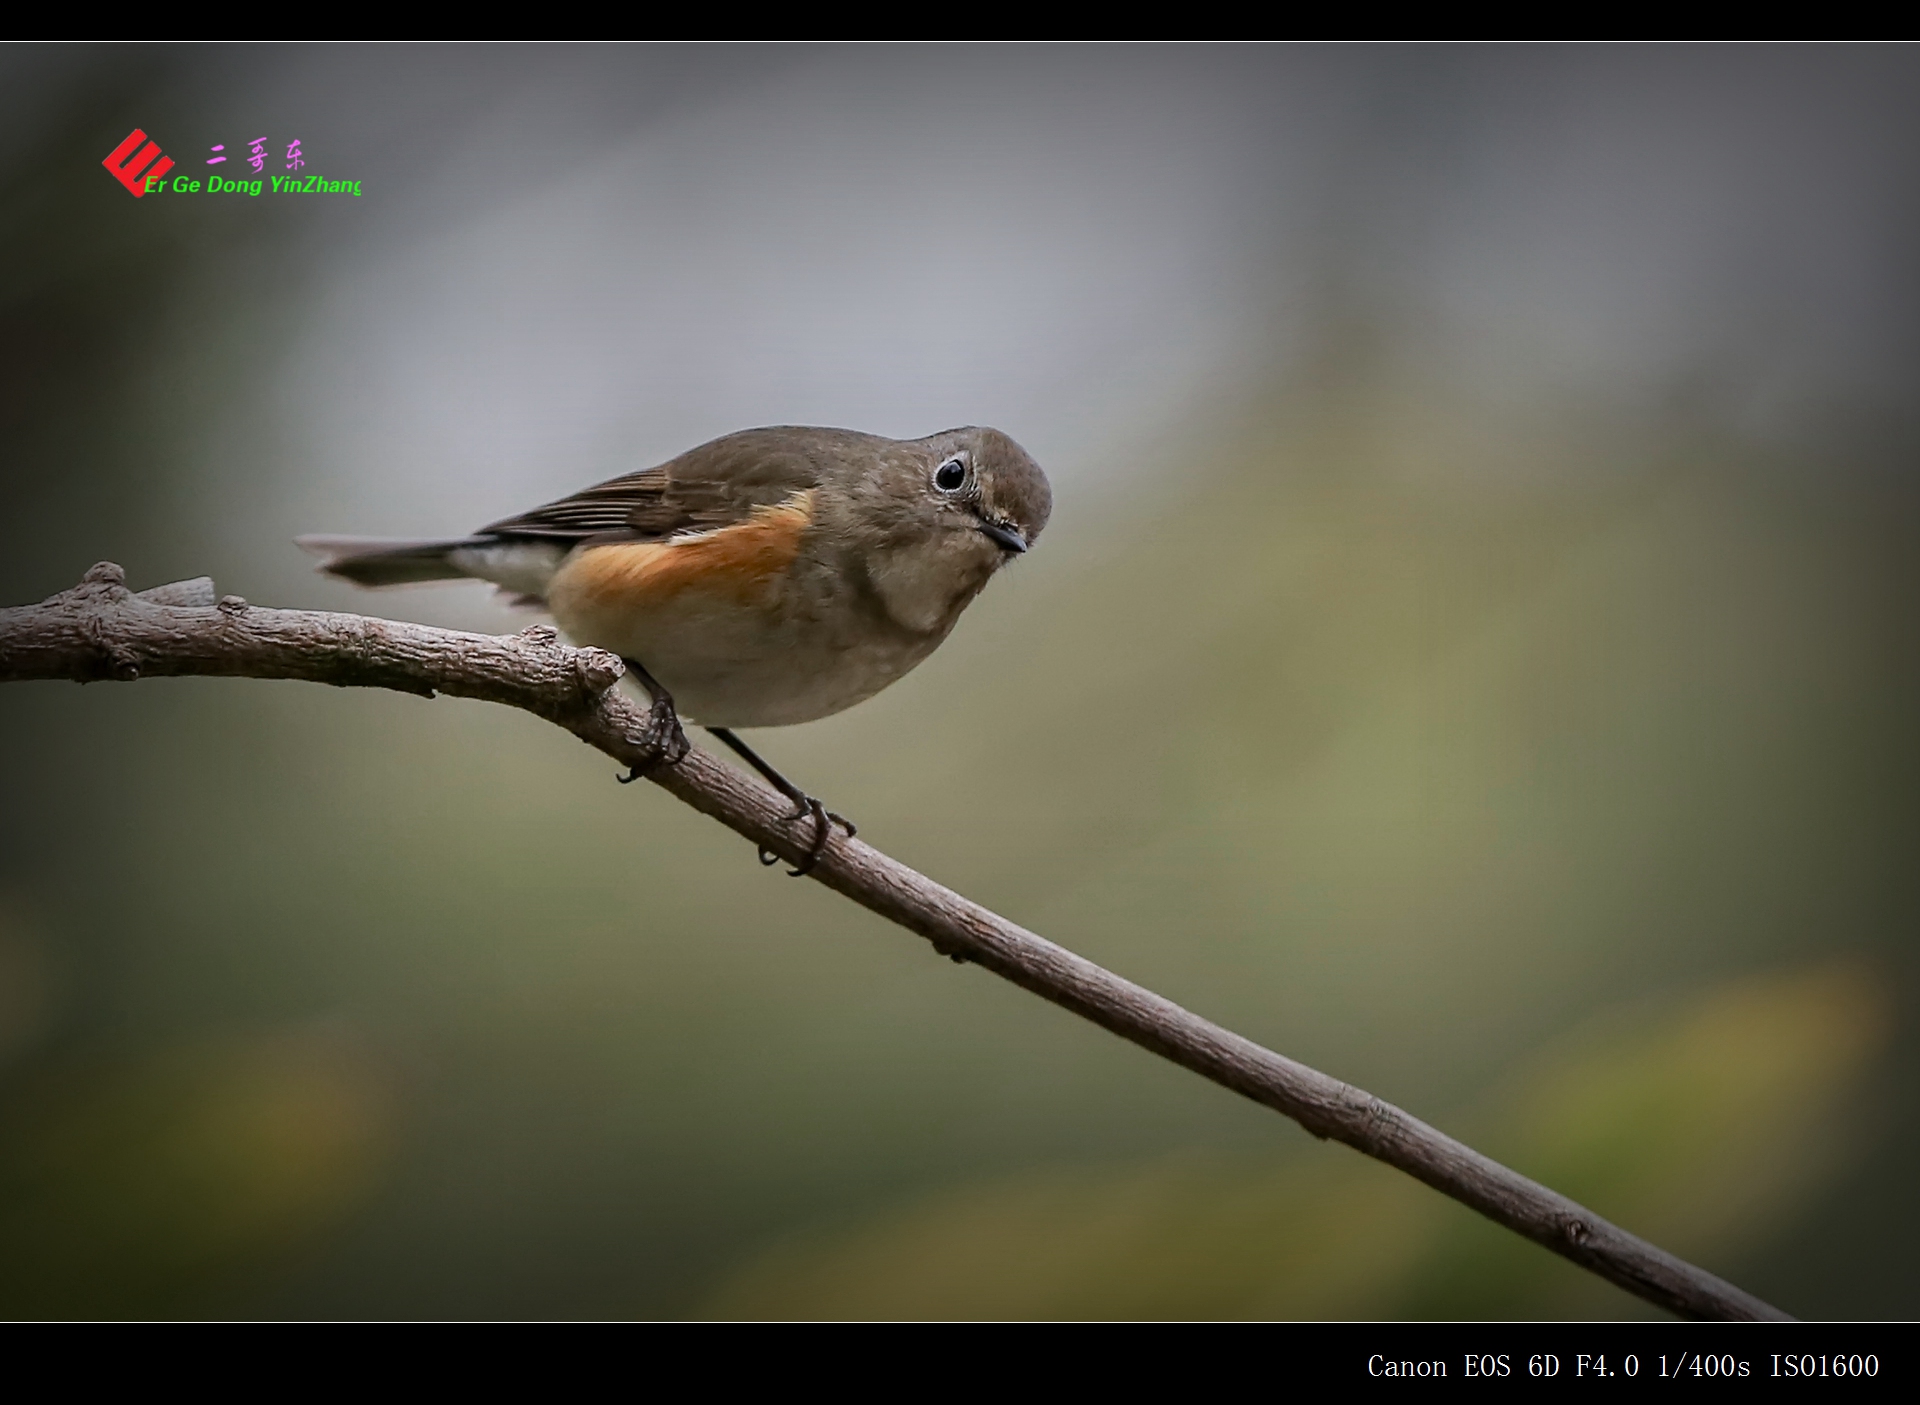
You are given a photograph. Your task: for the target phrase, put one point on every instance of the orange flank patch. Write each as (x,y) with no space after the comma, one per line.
(739,561)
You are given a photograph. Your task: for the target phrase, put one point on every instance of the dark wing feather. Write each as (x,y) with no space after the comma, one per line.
(616,506)
(712,486)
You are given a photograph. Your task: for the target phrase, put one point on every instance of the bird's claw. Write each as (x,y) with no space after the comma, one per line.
(663,739)
(823,822)
(803,805)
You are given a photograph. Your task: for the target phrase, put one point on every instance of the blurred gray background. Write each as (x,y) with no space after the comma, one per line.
(1473,653)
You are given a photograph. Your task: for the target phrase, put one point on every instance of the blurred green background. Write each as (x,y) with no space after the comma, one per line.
(1474,654)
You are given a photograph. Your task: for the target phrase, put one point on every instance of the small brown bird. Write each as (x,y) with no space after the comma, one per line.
(769,577)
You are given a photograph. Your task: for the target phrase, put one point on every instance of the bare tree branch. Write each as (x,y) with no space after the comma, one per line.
(101,630)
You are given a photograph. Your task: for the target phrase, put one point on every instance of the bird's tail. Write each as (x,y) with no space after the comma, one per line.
(385,561)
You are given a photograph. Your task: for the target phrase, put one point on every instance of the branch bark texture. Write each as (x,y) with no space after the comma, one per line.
(100,630)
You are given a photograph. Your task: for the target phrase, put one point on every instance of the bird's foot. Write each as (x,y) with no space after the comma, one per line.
(662,741)
(803,805)
(823,822)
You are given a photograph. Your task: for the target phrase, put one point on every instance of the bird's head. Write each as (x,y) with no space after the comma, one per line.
(938,516)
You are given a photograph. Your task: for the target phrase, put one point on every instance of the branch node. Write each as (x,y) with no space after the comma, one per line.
(1383,1121)
(232,605)
(113,659)
(1578,1231)
(598,669)
(540,634)
(108,573)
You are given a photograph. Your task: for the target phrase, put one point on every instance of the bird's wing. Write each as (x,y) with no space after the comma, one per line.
(715,485)
(617,507)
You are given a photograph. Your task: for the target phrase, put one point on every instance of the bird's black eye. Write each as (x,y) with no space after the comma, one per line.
(950,475)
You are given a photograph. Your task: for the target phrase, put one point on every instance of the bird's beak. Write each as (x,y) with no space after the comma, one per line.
(1009,539)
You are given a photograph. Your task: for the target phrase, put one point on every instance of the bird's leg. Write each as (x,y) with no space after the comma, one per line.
(803,804)
(663,736)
